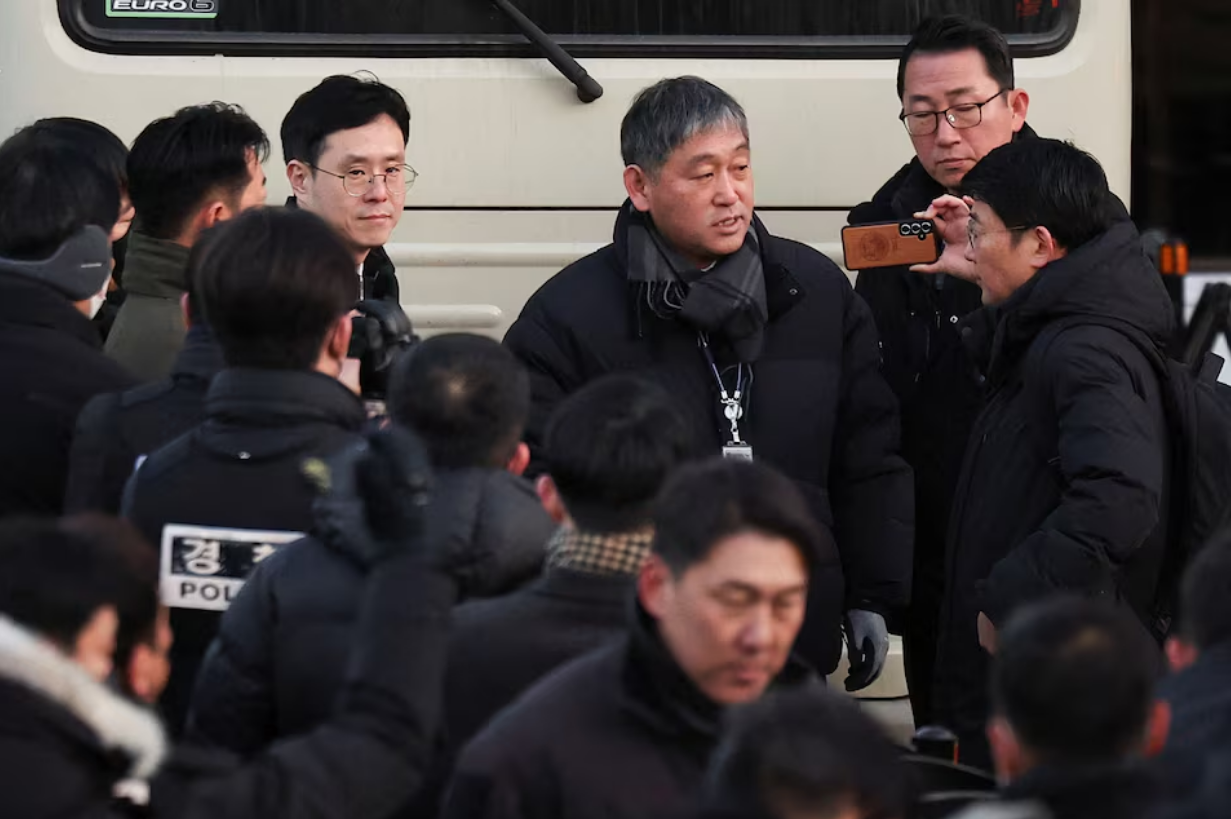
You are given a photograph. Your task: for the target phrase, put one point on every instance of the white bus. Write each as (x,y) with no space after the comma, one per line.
(518,175)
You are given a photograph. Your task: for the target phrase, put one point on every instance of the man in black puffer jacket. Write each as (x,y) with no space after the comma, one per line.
(768,349)
(279,660)
(1063,486)
(626,731)
(951,64)
(277,288)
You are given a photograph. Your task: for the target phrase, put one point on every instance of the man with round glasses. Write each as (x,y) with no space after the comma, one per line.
(344,143)
(956,86)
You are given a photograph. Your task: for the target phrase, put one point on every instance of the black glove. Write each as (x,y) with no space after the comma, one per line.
(867,646)
(375,495)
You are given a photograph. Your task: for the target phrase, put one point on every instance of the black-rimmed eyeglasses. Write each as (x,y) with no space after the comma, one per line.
(964,115)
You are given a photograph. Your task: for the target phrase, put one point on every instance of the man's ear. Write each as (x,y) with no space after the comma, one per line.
(1019,103)
(1044,249)
(139,677)
(1158,726)
(297,174)
(654,584)
(1180,654)
(549,496)
(94,647)
(520,460)
(217,211)
(337,343)
(1007,754)
(637,184)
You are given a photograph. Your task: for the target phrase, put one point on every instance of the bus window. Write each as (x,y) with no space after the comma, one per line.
(798,28)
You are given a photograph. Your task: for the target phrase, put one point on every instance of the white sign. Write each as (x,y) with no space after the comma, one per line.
(204,567)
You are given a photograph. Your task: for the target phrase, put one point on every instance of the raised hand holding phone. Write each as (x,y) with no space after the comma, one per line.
(951,216)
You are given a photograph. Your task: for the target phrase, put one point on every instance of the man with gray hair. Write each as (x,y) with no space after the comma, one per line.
(761,339)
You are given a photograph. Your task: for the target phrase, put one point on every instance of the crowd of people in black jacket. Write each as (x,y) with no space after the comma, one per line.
(606,567)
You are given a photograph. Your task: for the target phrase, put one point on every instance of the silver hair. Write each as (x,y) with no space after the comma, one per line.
(669,113)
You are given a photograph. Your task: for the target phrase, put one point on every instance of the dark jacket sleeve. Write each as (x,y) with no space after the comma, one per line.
(373,754)
(542,347)
(870,485)
(1111,458)
(100,460)
(233,699)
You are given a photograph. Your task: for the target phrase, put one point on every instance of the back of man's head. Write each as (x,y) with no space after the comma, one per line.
(1045,183)
(1205,599)
(107,149)
(50,193)
(339,103)
(952,33)
(272,285)
(805,753)
(180,163)
(707,502)
(466,396)
(61,582)
(609,448)
(1072,683)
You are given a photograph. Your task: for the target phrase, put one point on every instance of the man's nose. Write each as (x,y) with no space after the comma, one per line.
(758,631)
(725,193)
(378,189)
(946,134)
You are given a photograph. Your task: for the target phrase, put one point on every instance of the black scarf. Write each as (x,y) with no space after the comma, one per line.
(728,300)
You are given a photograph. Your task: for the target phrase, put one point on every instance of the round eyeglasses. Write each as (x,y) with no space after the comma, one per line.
(398,180)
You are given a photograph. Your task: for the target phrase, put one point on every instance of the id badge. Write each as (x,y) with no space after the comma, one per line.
(737,451)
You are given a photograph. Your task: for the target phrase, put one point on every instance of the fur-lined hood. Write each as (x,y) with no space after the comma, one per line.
(30,661)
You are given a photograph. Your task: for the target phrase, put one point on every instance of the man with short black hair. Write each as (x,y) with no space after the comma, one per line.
(281,652)
(761,339)
(947,76)
(186,173)
(1074,711)
(627,730)
(344,143)
(57,209)
(810,753)
(608,450)
(1063,487)
(276,287)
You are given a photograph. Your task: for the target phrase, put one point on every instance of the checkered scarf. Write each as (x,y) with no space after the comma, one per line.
(598,553)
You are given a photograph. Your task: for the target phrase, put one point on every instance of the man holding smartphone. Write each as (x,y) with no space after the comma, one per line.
(956,84)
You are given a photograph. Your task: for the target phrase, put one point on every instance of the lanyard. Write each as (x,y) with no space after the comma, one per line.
(732,404)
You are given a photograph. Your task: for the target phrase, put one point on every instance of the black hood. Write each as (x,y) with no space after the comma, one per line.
(496,521)
(274,411)
(492,521)
(1108,277)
